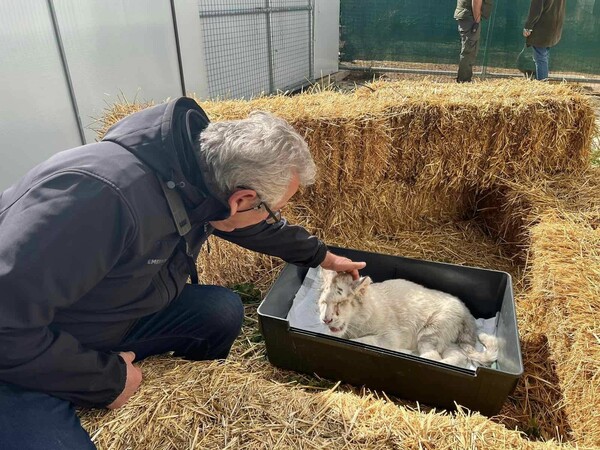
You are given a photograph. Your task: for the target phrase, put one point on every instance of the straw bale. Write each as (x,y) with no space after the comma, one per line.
(484,131)
(536,406)
(382,211)
(565,294)
(512,208)
(402,154)
(458,243)
(194,405)
(115,112)
(228,264)
(436,135)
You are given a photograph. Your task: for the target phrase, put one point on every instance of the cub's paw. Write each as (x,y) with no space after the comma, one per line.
(431,354)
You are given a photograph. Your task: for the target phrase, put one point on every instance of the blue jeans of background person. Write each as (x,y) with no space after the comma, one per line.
(541,56)
(200,324)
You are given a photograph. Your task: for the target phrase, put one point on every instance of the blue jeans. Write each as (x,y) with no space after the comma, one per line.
(200,324)
(541,56)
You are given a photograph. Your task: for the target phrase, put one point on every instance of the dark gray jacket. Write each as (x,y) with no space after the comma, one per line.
(546,18)
(464,9)
(88,246)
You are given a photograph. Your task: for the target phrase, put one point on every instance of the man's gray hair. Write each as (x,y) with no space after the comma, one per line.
(261,153)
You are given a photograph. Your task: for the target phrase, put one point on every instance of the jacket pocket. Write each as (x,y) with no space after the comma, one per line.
(161,287)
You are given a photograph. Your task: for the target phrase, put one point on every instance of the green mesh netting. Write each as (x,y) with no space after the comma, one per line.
(425,31)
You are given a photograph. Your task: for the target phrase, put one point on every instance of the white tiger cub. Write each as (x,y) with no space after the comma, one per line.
(403,316)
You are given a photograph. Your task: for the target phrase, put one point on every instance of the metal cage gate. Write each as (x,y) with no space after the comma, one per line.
(257,45)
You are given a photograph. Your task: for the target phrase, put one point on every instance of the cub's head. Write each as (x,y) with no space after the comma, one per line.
(341,300)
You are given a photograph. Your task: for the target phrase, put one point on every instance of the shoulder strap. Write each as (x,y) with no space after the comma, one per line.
(182,222)
(180,216)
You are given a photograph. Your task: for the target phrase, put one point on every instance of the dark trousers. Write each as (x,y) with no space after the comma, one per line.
(200,324)
(468,49)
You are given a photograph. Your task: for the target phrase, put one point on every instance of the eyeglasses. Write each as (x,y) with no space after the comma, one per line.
(274,216)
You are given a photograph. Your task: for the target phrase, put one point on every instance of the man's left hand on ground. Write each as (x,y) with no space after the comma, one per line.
(342,264)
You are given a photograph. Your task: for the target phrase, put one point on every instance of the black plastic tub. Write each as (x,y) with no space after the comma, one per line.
(485,292)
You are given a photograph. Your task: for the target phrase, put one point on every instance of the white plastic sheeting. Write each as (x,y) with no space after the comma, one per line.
(118,47)
(129,47)
(327,37)
(36,114)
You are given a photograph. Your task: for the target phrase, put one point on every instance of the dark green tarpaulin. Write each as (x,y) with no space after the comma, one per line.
(425,31)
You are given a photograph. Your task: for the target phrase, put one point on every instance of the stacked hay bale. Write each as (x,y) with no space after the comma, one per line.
(414,152)
(404,168)
(511,208)
(565,297)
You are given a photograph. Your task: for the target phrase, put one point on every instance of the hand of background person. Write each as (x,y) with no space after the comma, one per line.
(526,33)
(342,264)
(132,383)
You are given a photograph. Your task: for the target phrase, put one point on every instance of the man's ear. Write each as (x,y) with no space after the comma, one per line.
(242,199)
(359,286)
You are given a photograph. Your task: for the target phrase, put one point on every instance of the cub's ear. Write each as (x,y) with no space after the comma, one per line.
(360,286)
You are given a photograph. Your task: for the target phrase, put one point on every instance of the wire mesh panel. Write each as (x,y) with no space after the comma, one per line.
(288,3)
(236,48)
(424,31)
(256,46)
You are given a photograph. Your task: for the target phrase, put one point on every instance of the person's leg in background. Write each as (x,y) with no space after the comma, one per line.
(200,324)
(468,50)
(31,420)
(541,56)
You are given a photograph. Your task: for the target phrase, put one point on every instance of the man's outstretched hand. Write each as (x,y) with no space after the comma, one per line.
(342,264)
(132,383)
